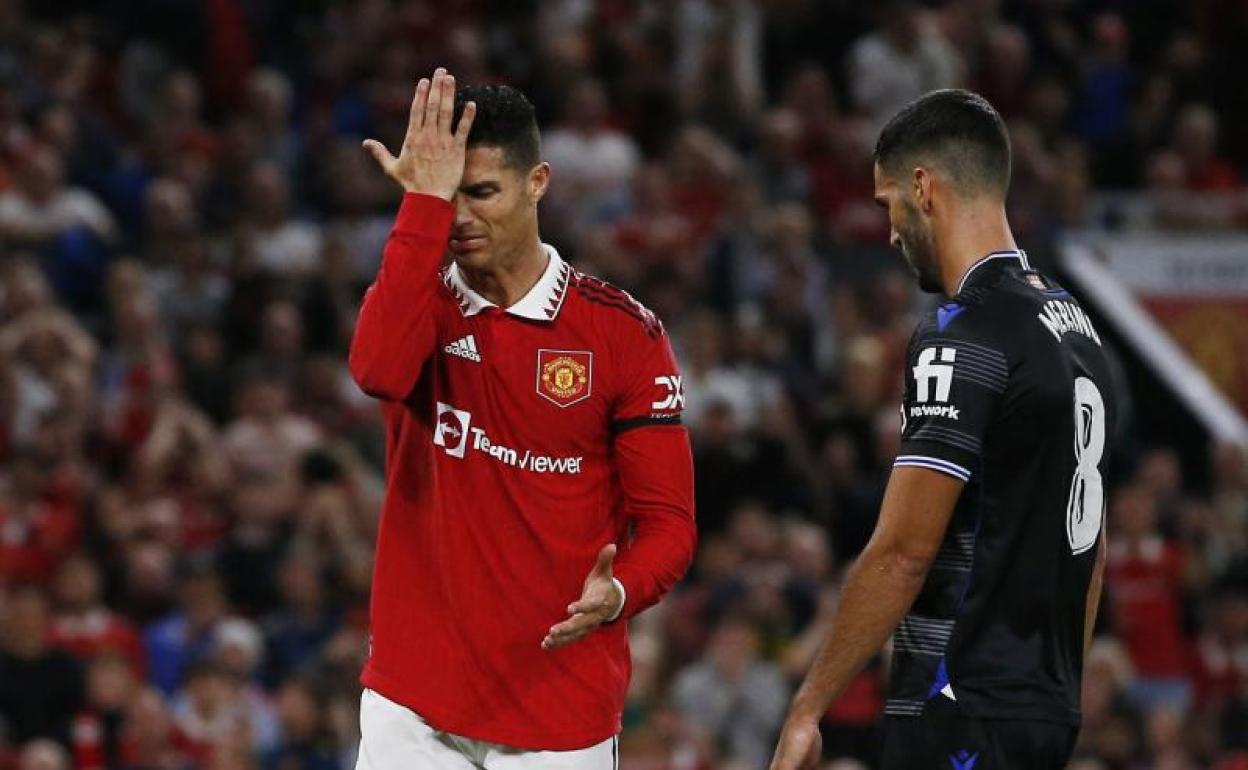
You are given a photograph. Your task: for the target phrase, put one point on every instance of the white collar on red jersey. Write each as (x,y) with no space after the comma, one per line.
(542,303)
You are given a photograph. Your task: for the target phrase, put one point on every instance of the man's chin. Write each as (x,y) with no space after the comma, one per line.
(476,259)
(928,281)
(925,281)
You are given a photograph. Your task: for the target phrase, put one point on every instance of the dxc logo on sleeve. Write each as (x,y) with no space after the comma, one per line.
(674,397)
(926,371)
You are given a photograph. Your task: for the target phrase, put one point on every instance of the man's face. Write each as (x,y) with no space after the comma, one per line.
(908,230)
(495,209)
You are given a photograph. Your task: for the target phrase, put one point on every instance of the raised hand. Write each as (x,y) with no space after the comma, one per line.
(431,160)
(600,600)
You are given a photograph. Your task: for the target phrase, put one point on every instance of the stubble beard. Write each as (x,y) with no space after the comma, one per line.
(920,255)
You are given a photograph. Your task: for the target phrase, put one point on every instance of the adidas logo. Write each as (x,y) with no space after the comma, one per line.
(464,347)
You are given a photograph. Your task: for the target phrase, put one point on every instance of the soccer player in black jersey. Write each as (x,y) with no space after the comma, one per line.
(986,562)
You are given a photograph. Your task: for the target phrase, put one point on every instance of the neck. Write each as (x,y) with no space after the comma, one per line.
(512,277)
(973,231)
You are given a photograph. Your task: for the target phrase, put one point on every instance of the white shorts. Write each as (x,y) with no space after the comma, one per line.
(393,737)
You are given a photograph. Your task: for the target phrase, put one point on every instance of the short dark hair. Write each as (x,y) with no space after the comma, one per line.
(956,130)
(505,119)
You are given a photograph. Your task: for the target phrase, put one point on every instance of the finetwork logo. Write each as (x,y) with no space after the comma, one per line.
(924,410)
(928,372)
(454,433)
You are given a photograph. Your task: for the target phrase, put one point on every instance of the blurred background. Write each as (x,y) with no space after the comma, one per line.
(190,481)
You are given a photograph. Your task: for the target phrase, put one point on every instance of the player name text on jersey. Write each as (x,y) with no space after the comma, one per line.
(1062,316)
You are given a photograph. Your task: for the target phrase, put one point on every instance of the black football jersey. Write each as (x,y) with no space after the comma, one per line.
(1007,388)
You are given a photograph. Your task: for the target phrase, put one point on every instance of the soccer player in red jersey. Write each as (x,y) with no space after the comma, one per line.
(539,483)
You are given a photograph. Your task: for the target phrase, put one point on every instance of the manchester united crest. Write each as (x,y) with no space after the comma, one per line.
(565,377)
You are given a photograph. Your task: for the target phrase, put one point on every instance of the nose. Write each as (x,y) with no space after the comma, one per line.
(463,217)
(894,239)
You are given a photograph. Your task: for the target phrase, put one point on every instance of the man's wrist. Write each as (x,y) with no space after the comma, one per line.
(619,610)
(414,187)
(806,709)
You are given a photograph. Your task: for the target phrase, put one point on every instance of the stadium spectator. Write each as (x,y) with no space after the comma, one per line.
(1145,576)
(266,439)
(207,711)
(283,245)
(270,102)
(150,731)
(1195,141)
(735,697)
(305,738)
(1103,101)
(188,291)
(84,625)
(186,636)
(41,687)
(100,739)
(40,208)
(777,166)
(904,59)
(596,161)
(297,632)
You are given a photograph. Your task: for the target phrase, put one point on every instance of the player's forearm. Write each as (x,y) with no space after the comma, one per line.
(1094,595)
(657,558)
(879,590)
(395,334)
(655,467)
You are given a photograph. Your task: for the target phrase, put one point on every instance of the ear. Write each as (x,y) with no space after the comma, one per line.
(539,180)
(921,188)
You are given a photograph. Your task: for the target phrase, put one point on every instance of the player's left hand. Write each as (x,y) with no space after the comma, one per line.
(599,600)
(800,746)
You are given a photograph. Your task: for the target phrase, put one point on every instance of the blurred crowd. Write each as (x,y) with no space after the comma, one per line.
(190,481)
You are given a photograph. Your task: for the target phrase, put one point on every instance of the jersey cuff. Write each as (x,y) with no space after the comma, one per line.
(623,600)
(933,463)
(426,215)
(620,426)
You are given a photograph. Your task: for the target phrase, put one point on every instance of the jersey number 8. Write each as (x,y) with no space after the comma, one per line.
(1085,508)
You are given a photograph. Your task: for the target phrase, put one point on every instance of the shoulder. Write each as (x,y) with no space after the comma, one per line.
(958,318)
(991,315)
(965,333)
(618,310)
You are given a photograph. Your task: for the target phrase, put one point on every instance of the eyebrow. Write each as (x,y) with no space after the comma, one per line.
(481,187)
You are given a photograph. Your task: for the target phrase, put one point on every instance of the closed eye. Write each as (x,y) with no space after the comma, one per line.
(480,190)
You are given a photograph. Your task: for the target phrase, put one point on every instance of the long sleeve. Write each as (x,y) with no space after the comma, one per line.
(396,331)
(653,462)
(655,467)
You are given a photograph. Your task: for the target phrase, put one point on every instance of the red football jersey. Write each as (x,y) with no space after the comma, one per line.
(1145,584)
(520,442)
